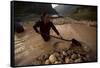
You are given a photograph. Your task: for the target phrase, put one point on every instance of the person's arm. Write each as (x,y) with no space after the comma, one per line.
(54,28)
(36,25)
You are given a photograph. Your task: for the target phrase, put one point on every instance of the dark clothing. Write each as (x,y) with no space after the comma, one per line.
(45,29)
(18,27)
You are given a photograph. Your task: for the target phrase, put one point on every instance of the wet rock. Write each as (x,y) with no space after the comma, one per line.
(52,58)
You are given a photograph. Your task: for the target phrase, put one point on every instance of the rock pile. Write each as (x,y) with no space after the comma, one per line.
(72,55)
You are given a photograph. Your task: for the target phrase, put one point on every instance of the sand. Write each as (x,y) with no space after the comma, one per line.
(29,44)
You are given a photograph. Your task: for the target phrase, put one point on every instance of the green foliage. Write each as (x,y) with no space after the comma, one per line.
(85,13)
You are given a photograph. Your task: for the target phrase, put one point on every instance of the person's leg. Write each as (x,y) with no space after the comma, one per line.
(46,38)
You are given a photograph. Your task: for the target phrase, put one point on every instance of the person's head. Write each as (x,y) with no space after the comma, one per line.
(45,17)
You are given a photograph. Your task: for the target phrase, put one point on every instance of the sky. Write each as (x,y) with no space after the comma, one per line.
(54,5)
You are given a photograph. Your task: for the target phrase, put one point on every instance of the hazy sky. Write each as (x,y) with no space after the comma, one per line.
(54,5)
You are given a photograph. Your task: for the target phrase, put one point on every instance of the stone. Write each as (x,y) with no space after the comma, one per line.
(87,58)
(78,55)
(74,56)
(64,53)
(69,52)
(56,54)
(40,57)
(52,58)
(78,60)
(86,48)
(43,57)
(71,61)
(36,62)
(60,59)
(47,61)
(67,60)
(57,62)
